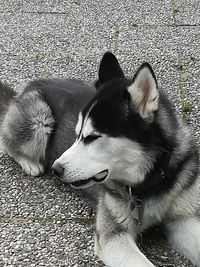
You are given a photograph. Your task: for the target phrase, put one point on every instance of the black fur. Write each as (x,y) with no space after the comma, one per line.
(115,115)
(109,69)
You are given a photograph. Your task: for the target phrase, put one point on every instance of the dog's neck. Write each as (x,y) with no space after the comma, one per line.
(153,180)
(154,177)
(137,195)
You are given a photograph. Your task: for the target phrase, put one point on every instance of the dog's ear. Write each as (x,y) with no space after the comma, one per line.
(109,69)
(144,92)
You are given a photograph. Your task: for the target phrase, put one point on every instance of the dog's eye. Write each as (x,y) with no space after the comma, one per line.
(90,138)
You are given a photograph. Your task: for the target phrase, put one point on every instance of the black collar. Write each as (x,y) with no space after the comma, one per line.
(155,177)
(153,184)
(142,191)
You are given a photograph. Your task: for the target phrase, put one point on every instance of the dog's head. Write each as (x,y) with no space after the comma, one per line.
(114,130)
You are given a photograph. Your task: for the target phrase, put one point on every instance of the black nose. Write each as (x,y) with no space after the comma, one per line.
(58,170)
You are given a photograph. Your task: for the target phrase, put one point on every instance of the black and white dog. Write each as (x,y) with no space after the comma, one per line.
(129,143)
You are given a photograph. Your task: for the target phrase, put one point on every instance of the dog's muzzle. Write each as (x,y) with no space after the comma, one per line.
(98,178)
(59,171)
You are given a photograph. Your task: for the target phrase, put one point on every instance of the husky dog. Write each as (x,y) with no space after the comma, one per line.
(130,141)
(129,144)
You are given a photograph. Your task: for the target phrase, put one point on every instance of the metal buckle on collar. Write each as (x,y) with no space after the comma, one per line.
(137,208)
(163,174)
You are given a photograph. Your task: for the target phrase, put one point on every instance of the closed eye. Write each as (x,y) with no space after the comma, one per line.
(90,138)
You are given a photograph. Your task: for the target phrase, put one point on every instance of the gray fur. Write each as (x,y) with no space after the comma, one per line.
(6,95)
(32,122)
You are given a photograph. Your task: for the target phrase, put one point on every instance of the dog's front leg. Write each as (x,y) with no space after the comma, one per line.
(184,234)
(120,250)
(115,245)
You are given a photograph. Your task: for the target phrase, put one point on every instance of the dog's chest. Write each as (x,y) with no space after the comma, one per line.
(131,216)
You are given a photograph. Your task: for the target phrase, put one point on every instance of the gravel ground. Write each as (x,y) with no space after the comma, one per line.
(43,223)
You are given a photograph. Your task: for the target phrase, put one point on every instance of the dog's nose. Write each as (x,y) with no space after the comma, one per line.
(58,170)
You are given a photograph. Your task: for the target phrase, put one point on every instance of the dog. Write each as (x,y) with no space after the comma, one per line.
(128,142)
(132,142)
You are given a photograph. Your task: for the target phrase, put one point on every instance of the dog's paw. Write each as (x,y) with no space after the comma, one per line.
(31,168)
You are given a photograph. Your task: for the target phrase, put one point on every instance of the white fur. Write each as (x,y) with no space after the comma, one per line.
(184,235)
(88,128)
(121,251)
(79,124)
(28,153)
(144,84)
(117,248)
(29,166)
(79,156)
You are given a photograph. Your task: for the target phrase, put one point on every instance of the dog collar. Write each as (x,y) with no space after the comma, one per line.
(153,178)
(137,208)
(138,193)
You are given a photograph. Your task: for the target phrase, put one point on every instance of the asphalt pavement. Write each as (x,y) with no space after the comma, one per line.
(42,222)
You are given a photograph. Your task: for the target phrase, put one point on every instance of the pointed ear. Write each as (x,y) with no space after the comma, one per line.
(143,91)
(109,69)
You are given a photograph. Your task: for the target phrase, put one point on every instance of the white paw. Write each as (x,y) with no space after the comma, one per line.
(30,167)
